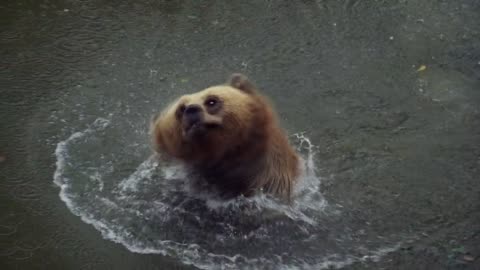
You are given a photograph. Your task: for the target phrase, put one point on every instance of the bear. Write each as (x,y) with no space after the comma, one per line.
(228,136)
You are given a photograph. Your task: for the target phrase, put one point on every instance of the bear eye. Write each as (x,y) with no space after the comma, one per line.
(210,102)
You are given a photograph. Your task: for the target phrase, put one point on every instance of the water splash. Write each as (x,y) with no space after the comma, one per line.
(148,208)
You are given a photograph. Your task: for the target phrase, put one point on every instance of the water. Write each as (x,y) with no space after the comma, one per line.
(390,150)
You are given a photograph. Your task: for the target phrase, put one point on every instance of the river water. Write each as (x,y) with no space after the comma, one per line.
(382,100)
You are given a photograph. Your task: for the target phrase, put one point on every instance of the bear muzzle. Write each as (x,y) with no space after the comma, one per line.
(193,122)
(196,123)
(192,115)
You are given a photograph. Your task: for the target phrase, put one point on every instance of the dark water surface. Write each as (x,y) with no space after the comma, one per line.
(387,93)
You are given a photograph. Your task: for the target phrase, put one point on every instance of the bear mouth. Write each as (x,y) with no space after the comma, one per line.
(198,129)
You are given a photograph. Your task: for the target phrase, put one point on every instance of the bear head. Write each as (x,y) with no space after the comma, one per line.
(220,121)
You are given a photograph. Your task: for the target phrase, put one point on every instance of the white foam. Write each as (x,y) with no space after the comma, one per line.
(61,152)
(144,170)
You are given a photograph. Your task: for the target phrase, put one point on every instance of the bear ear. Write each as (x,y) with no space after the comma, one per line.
(242,83)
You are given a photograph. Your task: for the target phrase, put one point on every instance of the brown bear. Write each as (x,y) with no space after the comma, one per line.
(229,137)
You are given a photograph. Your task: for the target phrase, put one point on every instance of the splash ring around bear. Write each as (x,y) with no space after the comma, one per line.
(147,207)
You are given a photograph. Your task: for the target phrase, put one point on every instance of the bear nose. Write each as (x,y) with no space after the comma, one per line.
(192,110)
(192,114)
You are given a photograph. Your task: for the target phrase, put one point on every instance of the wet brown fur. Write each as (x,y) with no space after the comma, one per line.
(249,151)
